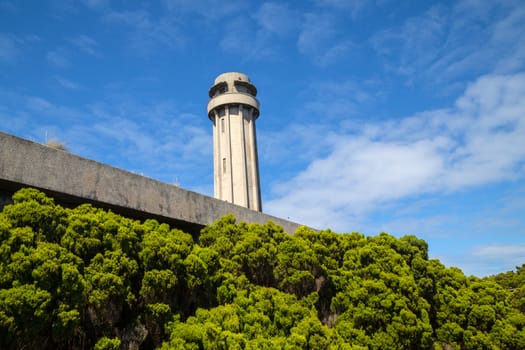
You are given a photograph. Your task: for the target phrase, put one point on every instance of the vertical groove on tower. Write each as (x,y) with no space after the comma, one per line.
(229,184)
(233,105)
(217,190)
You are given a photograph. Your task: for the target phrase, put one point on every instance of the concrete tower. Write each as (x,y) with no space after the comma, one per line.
(233,110)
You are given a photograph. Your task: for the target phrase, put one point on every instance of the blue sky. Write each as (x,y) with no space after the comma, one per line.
(400,116)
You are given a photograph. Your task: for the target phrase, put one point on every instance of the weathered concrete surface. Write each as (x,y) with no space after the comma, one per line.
(233,109)
(74,180)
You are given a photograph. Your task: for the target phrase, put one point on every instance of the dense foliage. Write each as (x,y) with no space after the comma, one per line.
(86,278)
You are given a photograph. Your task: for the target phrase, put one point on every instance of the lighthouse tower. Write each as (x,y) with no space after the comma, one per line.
(233,110)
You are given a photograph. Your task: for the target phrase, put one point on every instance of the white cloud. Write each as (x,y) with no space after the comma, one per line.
(509,34)
(415,45)
(276,18)
(208,9)
(39,104)
(8,6)
(96,4)
(501,251)
(86,44)
(240,37)
(261,36)
(334,99)
(495,40)
(316,30)
(66,83)
(354,7)
(8,48)
(278,146)
(448,43)
(493,147)
(12,121)
(46,110)
(335,53)
(273,26)
(153,139)
(321,40)
(488,259)
(478,141)
(12,46)
(58,58)
(148,32)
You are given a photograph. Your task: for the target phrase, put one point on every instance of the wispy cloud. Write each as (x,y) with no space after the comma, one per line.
(155,138)
(8,48)
(416,44)
(66,83)
(478,141)
(353,7)
(209,9)
(321,40)
(488,258)
(495,40)
(47,110)
(448,43)
(8,6)
(262,35)
(278,147)
(317,29)
(274,26)
(13,120)
(96,4)
(335,99)
(11,45)
(241,37)
(86,44)
(336,52)
(502,251)
(148,32)
(277,18)
(59,58)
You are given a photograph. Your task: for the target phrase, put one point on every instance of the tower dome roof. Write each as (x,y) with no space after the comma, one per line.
(231,76)
(232,82)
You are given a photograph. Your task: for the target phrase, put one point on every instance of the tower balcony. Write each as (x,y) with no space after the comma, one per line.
(233,98)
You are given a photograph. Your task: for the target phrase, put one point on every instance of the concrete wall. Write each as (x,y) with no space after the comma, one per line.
(74,180)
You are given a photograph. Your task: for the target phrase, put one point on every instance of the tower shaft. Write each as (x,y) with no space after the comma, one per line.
(233,110)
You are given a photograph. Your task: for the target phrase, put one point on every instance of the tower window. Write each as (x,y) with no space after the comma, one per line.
(224,165)
(222,125)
